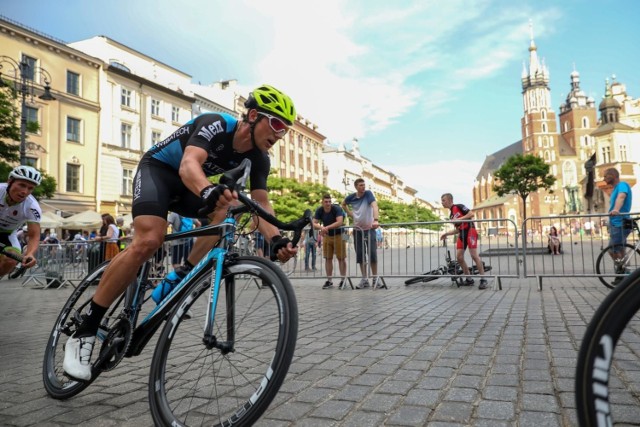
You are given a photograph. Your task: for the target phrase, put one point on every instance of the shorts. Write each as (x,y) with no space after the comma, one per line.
(467,238)
(368,238)
(334,245)
(618,237)
(158,189)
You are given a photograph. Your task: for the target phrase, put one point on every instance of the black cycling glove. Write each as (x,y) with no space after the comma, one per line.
(210,195)
(277,243)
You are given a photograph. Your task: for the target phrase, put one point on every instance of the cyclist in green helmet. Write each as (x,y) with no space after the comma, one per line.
(172,176)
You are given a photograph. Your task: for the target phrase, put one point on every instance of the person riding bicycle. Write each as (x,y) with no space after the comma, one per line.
(619,208)
(17,207)
(467,237)
(173,175)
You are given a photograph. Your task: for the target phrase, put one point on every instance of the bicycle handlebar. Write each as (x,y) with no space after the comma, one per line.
(236,179)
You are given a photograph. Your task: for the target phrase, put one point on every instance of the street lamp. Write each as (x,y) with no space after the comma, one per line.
(23,82)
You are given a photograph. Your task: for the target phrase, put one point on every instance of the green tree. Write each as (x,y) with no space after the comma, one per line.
(9,132)
(523,175)
(290,198)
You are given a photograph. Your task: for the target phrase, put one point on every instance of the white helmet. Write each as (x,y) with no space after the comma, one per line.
(26,173)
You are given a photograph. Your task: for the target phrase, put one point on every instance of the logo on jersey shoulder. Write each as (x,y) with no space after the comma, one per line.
(36,214)
(209,131)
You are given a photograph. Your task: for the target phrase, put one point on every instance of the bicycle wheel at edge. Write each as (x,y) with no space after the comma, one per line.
(596,402)
(190,384)
(56,383)
(424,278)
(604,264)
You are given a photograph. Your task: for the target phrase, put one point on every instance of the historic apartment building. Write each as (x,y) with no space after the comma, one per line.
(65,147)
(114,102)
(566,148)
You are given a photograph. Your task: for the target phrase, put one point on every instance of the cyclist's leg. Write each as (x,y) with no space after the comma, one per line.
(461,246)
(473,250)
(11,242)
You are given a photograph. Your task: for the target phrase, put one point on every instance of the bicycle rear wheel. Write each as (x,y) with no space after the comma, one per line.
(608,386)
(605,265)
(190,383)
(424,278)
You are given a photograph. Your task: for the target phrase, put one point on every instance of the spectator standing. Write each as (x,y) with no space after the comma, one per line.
(619,208)
(110,239)
(363,208)
(467,237)
(310,242)
(329,219)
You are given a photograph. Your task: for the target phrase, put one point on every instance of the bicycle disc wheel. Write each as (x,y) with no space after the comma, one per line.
(57,384)
(194,383)
(424,278)
(605,265)
(607,375)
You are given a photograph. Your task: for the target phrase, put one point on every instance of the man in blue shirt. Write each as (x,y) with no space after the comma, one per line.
(619,208)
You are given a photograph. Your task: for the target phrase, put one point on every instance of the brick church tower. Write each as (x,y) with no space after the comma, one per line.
(540,136)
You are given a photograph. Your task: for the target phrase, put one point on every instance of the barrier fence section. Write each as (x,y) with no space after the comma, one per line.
(406,250)
(583,239)
(403,250)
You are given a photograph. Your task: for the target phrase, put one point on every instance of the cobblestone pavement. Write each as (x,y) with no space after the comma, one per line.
(428,354)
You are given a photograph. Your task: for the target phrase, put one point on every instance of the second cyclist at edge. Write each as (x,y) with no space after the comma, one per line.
(172,175)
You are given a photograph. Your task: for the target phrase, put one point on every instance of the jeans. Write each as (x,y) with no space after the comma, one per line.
(310,249)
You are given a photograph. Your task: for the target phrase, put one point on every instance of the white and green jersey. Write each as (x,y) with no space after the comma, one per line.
(12,217)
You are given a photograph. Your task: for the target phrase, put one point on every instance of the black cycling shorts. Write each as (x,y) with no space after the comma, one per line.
(158,189)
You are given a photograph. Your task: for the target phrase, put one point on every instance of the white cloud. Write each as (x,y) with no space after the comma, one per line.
(353,67)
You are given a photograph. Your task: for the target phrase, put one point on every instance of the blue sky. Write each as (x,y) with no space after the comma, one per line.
(429,88)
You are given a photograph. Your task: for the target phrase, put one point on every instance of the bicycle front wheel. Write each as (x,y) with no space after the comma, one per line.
(605,265)
(56,383)
(424,278)
(608,386)
(232,377)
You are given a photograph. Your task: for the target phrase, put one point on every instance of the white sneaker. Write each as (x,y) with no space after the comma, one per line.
(364,283)
(377,283)
(77,357)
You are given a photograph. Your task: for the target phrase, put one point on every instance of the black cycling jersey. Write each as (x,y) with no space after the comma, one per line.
(157,186)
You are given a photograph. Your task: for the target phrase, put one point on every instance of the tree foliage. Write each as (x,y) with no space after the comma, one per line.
(290,198)
(10,132)
(523,175)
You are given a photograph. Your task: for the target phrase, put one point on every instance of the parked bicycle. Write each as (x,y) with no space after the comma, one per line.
(451,268)
(610,271)
(607,380)
(229,338)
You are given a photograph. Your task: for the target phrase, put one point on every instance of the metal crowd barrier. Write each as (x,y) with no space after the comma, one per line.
(404,250)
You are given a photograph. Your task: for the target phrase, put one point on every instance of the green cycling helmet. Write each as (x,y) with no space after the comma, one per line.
(270,100)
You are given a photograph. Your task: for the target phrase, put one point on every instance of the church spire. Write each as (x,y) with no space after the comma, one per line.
(538,74)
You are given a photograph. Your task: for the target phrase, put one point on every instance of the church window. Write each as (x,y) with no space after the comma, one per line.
(544,128)
(544,115)
(585,122)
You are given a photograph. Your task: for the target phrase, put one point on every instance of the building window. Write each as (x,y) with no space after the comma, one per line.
(127,181)
(73,178)
(585,122)
(155,107)
(29,72)
(125,135)
(544,115)
(32,115)
(544,128)
(73,129)
(73,83)
(606,155)
(125,97)
(623,153)
(156,137)
(175,114)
